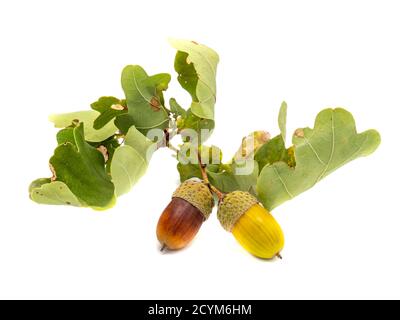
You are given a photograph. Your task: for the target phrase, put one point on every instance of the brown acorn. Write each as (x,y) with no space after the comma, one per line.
(180,221)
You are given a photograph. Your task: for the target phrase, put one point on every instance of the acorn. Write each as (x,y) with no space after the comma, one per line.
(191,205)
(251,224)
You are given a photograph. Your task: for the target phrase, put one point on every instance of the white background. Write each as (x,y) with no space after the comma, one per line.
(342,237)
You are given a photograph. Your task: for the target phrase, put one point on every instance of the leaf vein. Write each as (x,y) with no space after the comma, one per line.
(127,174)
(137,86)
(332,149)
(354,154)
(314,151)
(283,182)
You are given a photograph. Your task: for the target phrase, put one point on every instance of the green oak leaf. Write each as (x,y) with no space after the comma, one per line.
(130,161)
(109,108)
(196,66)
(111,145)
(332,143)
(176,109)
(144,98)
(124,122)
(238,175)
(203,127)
(160,82)
(189,167)
(235,177)
(82,168)
(282,120)
(272,151)
(108,147)
(43,191)
(187,171)
(87,118)
(143,145)
(66,135)
(127,167)
(187,75)
(38,183)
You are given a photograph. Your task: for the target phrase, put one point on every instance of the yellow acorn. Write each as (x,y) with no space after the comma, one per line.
(251,224)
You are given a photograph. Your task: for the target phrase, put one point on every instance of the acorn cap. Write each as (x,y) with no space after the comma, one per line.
(233,206)
(198,194)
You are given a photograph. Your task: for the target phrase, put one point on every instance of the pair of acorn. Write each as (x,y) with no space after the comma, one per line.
(239,212)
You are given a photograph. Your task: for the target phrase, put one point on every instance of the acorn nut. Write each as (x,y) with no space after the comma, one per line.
(191,205)
(251,224)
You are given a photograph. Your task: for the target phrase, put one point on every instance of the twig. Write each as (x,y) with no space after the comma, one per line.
(202,166)
(219,194)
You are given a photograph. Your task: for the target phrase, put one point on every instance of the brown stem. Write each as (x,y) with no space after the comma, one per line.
(202,169)
(166,137)
(202,166)
(219,194)
(167,141)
